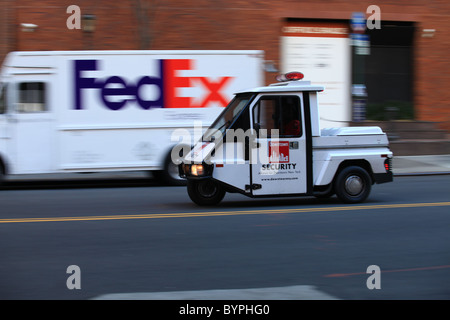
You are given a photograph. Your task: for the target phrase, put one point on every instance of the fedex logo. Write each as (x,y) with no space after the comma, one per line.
(116,91)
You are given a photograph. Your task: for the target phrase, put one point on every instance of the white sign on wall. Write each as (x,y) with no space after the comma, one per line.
(321,51)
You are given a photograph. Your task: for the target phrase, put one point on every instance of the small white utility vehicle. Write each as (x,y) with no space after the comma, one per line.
(267,142)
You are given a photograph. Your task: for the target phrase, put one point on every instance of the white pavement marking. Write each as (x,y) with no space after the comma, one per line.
(302,292)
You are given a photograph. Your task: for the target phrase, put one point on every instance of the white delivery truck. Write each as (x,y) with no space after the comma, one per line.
(267,142)
(93,111)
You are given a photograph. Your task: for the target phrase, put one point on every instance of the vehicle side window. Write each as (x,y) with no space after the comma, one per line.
(3,99)
(290,122)
(264,114)
(280,113)
(31,97)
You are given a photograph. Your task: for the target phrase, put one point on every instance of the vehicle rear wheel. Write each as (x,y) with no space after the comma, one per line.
(205,192)
(352,184)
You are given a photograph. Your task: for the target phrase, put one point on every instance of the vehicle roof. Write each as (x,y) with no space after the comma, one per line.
(288,86)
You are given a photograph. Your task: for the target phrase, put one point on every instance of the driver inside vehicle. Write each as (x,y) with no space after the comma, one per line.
(290,123)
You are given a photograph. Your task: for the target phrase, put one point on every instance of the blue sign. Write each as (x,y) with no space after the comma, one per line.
(358,22)
(361,42)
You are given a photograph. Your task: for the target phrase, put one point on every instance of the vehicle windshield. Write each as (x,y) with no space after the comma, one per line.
(227,117)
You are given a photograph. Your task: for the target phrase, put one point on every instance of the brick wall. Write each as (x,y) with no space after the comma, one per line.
(229,24)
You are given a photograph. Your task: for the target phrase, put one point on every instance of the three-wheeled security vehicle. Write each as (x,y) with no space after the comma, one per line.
(267,142)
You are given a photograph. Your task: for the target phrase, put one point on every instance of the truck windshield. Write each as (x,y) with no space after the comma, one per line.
(227,117)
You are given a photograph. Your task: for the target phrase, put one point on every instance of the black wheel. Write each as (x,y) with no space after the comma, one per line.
(205,192)
(352,184)
(170,175)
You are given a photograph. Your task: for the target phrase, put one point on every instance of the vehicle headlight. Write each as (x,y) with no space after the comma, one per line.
(197,170)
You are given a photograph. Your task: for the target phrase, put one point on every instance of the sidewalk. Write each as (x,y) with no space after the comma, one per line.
(417,165)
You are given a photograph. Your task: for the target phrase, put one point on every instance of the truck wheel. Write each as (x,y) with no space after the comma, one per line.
(205,192)
(352,184)
(169,175)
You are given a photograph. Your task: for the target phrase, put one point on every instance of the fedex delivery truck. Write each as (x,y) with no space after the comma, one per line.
(93,111)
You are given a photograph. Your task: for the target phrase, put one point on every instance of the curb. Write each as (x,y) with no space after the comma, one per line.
(437,173)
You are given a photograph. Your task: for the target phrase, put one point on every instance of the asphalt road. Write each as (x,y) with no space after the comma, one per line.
(151,242)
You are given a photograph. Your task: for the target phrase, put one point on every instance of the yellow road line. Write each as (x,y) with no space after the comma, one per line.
(226,213)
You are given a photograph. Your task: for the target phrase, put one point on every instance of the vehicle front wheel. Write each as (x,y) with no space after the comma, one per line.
(205,192)
(352,184)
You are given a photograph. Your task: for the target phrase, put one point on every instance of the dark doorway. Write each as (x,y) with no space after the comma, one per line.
(389,71)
